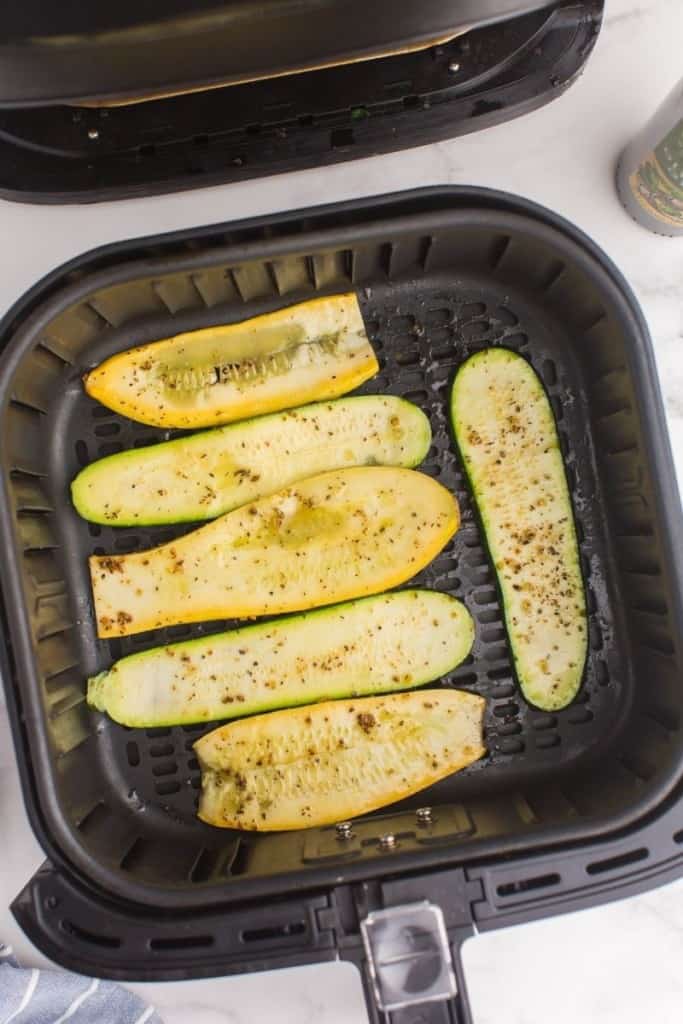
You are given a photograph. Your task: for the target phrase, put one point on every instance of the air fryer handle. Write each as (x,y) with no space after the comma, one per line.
(455,1010)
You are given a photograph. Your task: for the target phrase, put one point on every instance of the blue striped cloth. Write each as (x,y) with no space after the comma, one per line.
(55,997)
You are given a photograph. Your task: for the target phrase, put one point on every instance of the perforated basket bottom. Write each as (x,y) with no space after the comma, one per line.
(422,330)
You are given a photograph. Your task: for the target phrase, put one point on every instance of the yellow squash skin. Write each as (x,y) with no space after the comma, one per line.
(312,351)
(316,765)
(331,538)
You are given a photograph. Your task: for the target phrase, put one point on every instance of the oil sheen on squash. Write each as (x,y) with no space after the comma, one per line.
(387,642)
(309,352)
(340,759)
(330,538)
(208,474)
(506,433)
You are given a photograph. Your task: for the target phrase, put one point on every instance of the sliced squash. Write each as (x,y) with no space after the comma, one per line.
(320,764)
(208,474)
(315,350)
(330,538)
(389,642)
(506,433)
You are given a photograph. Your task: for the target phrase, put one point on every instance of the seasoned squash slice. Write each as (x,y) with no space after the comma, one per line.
(317,765)
(315,350)
(506,433)
(388,642)
(330,538)
(208,474)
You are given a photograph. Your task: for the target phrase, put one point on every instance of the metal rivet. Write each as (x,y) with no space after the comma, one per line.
(424,816)
(344,830)
(388,841)
(454,67)
(93,134)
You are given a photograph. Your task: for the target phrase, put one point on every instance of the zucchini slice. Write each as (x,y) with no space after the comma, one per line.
(373,645)
(208,474)
(315,350)
(317,765)
(330,538)
(506,433)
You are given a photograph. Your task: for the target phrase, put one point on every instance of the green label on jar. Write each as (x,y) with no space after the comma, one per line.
(658,182)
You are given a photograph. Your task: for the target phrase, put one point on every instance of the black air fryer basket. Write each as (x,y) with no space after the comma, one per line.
(566,809)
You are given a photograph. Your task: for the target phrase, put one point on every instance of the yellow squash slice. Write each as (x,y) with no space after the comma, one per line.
(330,538)
(313,351)
(321,764)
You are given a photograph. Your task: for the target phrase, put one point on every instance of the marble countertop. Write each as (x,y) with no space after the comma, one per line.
(618,964)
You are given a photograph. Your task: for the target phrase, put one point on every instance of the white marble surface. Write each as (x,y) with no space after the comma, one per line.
(614,965)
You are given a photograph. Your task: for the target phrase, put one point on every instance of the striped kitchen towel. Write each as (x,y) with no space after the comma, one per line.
(55,997)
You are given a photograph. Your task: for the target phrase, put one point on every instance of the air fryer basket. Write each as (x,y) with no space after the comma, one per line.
(439,274)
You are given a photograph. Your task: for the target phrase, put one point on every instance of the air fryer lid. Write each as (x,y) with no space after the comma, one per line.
(76,51)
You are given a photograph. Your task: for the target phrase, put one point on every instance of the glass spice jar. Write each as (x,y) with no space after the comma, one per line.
(650,171)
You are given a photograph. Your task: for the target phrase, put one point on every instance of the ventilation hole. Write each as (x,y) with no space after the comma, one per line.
(167,768)
(340,138)
(510,746)
(438,317)
(506,710)
(81,450)
(580,716)
(502,691)
(193,728)
(506,316)
(178,631)
(133,754)
(493,636)
(161,749)
(595,636)
(580,532)
(126,544)
(195,783)
(528,884)
(115,649)
(475,330)
(155,733)
(469,679)
(274,932)
(597,867)
(509,729)
(408,358)
(547,740)
(181,942)
(107,429)
(487,615)
(416,397)
(76,932)
(193,764)
(99,412)
(678,837)
(591,602)
(486,596)
(94,530)
(94,820)
(167,788)
(541,722)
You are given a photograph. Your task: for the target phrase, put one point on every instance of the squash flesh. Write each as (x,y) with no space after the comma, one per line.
(331,538)
(312,351)
(209,474)
(507,436)
(389,642)
(317,765)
